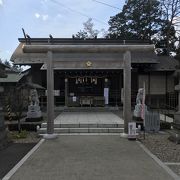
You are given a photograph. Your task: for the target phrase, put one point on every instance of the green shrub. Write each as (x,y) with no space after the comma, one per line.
(21,135)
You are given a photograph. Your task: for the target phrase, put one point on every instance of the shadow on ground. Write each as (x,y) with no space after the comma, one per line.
(11,155)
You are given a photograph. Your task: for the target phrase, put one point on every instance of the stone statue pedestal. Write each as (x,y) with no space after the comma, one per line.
(177,118)
(175,134)
(34,113)
(176,123)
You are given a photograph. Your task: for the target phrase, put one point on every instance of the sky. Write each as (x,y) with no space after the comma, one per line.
(40,18)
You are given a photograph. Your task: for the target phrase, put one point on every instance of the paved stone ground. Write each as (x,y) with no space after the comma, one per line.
(11,155)
(88,118)
(90,158)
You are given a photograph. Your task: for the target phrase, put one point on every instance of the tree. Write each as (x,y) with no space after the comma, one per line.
(88,30)
(138,19)
(7,63)
(171,12)
(18,102)
(81,34)
(17,68)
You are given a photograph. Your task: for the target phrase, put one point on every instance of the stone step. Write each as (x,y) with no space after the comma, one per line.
(85,125)
(90,109)
(82,130)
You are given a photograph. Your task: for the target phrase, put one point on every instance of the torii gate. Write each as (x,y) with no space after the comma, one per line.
(124,64)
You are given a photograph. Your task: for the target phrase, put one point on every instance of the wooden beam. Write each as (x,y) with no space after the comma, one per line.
(86,48)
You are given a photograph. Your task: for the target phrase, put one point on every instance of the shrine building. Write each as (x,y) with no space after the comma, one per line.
(83,79)
(97,72)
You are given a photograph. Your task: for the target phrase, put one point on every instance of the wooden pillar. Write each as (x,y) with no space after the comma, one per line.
(50,97)
(127,90)
(177,88)
(166,87)
(66,91)
(149,89)
(121,88)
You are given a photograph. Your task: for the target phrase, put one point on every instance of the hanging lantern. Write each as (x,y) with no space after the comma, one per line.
(91,79)
(106,80)
(80,80)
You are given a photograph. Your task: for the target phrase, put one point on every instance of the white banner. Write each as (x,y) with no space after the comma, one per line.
(74,98)
(106,95)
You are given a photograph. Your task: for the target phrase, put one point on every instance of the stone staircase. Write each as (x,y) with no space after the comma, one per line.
(84,128)
(87,109)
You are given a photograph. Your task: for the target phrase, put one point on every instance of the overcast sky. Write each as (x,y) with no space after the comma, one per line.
(40,18)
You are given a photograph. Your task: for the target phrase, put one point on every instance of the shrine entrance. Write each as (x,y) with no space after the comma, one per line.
(88,88)
(81,56)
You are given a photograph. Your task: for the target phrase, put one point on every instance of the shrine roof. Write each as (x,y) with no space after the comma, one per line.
(159,63)
(165,63)
(11,78)
(77,41)
(19,57)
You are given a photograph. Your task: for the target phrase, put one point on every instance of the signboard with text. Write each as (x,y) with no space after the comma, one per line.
(131,130)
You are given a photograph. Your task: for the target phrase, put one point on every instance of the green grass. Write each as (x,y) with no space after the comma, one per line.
(23,134)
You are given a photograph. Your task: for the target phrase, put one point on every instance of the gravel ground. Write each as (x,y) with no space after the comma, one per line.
(175,168)
(164,149)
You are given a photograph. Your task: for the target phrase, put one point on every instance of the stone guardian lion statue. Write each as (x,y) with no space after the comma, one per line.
(34,97)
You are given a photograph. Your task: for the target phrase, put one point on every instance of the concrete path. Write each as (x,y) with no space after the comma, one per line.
(88,117)
(90,158)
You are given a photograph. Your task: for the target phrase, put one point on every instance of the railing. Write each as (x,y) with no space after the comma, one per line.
(172,100)
(115,97)
(168,101)
(58,101)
